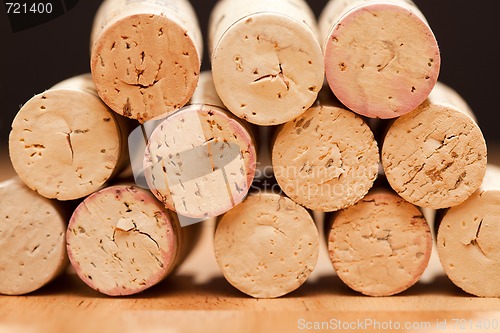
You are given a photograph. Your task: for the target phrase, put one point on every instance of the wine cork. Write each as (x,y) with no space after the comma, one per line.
(327,158)
(467,239)
(146,56)
(121,240)
(32,241)
(200,161)
(284,245)
(381,245)
(65,143)
(266,59)
(435,156)
(381,57)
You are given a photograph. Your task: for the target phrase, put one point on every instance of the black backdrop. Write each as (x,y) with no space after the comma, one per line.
(467,32)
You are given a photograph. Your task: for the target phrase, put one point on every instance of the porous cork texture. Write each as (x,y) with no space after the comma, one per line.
(266,59)
(467,239)
(32,241)
(200,161)
(267,246)
(436,155)
(326,159)
(121,240)
(146,56)
(381,57)
(65,143)
(381,245)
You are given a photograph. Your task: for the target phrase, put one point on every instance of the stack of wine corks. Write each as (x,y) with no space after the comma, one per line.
(73,197)
(197,153)
(382,61)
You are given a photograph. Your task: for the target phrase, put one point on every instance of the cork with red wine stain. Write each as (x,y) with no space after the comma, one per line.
(121,240)
(200,161)
(381,57)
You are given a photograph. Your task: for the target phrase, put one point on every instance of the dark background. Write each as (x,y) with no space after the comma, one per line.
(467,32)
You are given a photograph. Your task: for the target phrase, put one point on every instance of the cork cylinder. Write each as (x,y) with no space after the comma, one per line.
(65,143)
(435,156)
(381,245)
(32,239)
(145,56)
(381,57)
(121,240)
(327,158)
(266,58)
(200,161)
(467,239)
(284,245)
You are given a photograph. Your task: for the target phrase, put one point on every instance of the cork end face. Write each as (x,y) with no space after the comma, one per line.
(145,66)
(380,246)
(326,159)
(467,243)
(275,68)
(33,242)
(382,60)
(200,162)
(435,156)
(121,241)
(65,144)
(284,245)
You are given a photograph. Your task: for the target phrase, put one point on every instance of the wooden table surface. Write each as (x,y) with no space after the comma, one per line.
(198,299)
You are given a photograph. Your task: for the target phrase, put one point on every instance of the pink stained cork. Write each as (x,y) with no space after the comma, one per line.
(381,57)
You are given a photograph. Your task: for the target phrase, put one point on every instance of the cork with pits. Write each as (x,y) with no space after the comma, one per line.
(467,239)
(327,158)
(267,246)
(121,240)
(200,161)
(32,241)
(381,245)
(65,143)
(381,57)
(266,59)
(435,156)
(146,56)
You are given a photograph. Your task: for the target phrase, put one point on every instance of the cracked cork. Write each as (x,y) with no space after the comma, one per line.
(146,56)
(435,156)
(121,240)
(327,158)
(266,59)
(381,245)
(283,251)
(467,239)
(381,57)
(200,162)
(32,243)
(65,143)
